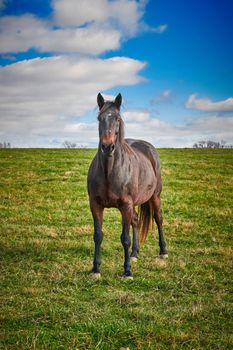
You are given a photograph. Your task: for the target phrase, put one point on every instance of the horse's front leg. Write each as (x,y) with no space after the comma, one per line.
(97,213)
(127,215)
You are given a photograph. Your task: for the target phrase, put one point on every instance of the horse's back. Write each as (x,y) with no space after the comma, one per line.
(147,149)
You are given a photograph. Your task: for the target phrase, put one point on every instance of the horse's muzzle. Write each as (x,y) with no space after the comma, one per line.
(108,149)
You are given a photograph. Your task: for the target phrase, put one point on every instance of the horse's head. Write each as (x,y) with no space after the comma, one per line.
(109,123)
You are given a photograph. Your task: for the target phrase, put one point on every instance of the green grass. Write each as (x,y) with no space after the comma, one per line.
(49,301)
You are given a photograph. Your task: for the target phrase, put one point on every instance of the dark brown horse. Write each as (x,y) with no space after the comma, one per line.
(124,174)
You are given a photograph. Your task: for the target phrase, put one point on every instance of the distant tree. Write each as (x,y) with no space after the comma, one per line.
(203,144)
(5,144)
(200,144)
(213,144)
(68,144)
(222,144)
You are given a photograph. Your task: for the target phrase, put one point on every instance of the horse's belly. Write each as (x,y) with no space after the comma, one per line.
(145,193)
(147,183)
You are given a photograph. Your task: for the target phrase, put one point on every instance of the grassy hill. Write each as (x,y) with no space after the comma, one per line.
(49,301)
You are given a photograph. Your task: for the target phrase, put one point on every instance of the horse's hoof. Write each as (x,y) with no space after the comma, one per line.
(163,256)
(134,259)
(127,278)
(96,275)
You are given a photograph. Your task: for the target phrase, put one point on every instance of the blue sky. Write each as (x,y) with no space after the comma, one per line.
(172,62)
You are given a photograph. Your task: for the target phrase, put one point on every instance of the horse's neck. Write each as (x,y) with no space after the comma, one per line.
(108,166)
(111,164)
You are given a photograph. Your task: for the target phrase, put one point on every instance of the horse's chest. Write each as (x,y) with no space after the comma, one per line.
(112,194)
(109,200)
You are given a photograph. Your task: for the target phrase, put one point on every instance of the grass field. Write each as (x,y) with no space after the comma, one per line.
(49,301)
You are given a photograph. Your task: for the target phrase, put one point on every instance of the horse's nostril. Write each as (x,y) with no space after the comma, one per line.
(107,149)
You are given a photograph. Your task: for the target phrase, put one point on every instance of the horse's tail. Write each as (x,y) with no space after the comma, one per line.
(145,216)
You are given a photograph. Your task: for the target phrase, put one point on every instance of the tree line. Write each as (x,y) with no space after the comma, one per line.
(68,144)
(200,144)
(212,144)
(5,145)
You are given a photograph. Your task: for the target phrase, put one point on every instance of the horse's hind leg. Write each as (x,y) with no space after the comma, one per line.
(156,202)
(135,247)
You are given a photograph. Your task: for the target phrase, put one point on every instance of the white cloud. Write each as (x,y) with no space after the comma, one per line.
(41,96)
(20,33)
(165,96)
(41,99)
(75,27)
(136,116)
(164,134)
(123,15)
(205,104)
(213,125)
(52,117)
(62,85)
(78,13)
(160,29)
(166,93)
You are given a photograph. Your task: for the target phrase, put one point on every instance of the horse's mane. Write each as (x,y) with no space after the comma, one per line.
(121,134)
(126,147)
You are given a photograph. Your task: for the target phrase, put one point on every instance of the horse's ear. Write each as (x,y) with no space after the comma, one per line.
(118,101)
(100,100)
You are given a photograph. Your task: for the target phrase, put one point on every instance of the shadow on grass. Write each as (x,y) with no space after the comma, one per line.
(34,257)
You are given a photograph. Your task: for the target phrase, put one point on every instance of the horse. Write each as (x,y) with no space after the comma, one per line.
(124,174)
